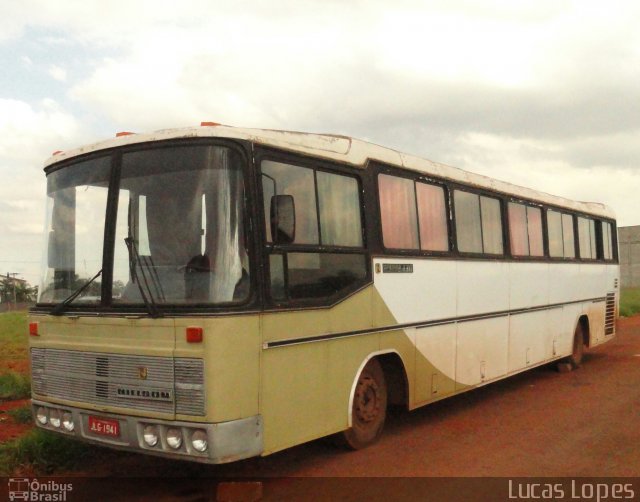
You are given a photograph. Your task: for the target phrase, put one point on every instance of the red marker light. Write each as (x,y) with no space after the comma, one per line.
(33,329)
(209,124)
(194,334)
(124,133)
(57,152)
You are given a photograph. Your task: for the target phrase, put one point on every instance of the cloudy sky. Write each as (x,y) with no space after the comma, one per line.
(539,93)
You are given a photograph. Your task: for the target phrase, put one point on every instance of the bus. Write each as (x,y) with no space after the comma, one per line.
(215,293)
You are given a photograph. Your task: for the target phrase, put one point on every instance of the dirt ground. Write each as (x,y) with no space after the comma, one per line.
(540,423)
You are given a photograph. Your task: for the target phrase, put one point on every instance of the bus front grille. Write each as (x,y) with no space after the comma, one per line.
(610,314)
(159,384)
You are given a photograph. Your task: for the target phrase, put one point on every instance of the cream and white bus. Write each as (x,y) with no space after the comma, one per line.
(217,293)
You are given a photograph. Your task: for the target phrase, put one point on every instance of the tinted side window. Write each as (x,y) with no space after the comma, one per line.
(478,223)
(398,212)
(586,238)
(432,217)
(327,217)
(561,237)
(339,204)
(607,241)
(468,226)
(525,230)
(285,179)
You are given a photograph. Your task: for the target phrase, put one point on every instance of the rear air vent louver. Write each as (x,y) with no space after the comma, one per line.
(610,315)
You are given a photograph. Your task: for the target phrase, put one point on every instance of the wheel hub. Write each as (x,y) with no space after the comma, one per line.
(367,401)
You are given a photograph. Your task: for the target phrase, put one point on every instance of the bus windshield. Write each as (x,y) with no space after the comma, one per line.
(179,228)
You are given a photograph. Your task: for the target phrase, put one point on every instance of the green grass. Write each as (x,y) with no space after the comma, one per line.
(21,415)
(44,452)
(14,386)
(630,302)
(13,337)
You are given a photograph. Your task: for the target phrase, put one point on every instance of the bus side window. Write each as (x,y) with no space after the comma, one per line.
(314,266)
(478,223)
(525,230)
(607,240)
(398,212)
(560,232)
(586,238)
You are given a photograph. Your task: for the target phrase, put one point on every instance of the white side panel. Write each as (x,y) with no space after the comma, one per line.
(436,346)
(530,340)
(482,350)
(426,294)
(529,284)
(483,287)
(565,283)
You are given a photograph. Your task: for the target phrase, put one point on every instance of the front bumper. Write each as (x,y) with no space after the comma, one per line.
(226,441)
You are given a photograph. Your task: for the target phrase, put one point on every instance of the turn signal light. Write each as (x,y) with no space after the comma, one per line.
(33,329)
(194,334)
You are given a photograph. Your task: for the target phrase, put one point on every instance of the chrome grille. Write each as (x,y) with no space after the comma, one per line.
(610,314)
(112,379)
(189,374)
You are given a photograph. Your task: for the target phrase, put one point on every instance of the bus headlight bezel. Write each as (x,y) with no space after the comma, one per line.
(199,440)
(42,415)
(174,438)
(151,435)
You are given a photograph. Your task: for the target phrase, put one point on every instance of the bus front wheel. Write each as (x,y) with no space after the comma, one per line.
(369,408)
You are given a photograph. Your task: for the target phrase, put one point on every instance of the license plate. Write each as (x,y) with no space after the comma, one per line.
(104,426)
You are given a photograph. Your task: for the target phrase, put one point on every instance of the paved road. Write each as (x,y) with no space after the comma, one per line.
(585,423)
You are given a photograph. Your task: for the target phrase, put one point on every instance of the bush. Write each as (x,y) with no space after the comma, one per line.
(44,452)
(14,386)
(629,302)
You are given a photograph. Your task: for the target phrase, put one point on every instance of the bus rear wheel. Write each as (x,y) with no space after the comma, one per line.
(369,408)
(575,359)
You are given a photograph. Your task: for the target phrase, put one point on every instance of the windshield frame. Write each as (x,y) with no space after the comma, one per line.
(107,305)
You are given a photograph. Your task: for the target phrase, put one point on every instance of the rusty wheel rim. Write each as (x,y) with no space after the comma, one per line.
(367,400)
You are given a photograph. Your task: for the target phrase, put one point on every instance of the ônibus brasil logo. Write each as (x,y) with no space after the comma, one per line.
(38,491)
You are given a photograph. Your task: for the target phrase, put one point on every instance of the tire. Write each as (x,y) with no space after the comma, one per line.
(369,409)
(575,359)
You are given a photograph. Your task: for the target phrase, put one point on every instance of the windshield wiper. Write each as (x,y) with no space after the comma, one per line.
(59,309)
(134,258)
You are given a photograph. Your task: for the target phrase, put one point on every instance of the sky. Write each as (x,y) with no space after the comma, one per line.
(541,93)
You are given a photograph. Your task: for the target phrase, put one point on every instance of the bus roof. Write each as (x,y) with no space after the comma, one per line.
(342,149)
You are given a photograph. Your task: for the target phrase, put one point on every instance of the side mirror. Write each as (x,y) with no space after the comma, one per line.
(283,219)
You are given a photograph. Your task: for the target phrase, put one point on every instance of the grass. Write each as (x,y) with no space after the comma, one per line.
(14,386)
(21,415)
(43,453)
(13,337)
(630,302)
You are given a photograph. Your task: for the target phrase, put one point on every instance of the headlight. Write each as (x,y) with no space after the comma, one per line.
(54,418)
(199,440)
(150,435)
(174,438)
(67,421)
(41,415)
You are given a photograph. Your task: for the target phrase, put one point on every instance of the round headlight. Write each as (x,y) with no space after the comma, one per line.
(150,435)
(174,438)
(54,418)
(67,421)
(41,416)
(199,440)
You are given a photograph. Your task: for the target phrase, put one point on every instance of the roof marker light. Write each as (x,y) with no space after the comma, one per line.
(124,133)
(194,334)
(57,152)
(209,124)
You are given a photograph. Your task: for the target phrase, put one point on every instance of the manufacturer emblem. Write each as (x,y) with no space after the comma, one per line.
(142,372)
